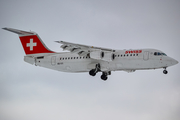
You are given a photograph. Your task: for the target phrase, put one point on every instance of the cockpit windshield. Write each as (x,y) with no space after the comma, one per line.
(158,54)
(164,54)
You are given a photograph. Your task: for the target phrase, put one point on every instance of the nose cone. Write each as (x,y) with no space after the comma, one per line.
(174,62)
(170,61)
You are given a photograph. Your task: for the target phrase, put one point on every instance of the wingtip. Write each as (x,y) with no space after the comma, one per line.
(4,28)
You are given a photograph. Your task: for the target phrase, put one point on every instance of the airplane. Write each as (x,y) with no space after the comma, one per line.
(84,58)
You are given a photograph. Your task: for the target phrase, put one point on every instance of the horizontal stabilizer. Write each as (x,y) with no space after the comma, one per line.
(19,32)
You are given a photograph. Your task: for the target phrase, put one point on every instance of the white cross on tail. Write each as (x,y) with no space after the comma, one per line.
(31,44)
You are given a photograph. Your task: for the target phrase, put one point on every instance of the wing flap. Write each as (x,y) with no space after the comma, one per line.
(83,46)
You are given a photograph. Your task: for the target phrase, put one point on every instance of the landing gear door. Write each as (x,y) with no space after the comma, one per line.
(53,60)
(146,55)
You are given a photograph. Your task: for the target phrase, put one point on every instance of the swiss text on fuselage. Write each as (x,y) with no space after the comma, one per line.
(133,51)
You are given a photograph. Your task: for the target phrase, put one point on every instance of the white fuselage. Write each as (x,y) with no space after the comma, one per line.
(85,58)
(71,62)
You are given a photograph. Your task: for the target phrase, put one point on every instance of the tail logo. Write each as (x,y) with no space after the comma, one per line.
(31,44)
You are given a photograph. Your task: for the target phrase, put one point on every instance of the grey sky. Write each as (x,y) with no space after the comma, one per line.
(33,93)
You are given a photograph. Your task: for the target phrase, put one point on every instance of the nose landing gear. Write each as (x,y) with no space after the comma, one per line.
(165,71)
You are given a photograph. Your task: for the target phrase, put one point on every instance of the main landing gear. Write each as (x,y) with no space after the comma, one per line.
(165,71)
(98,69)
(104,75)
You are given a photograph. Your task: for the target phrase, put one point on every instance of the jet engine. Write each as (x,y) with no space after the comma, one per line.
(98,54)
(109,56)
(102,55)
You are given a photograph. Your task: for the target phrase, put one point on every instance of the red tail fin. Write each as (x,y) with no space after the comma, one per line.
(33,45)
(31,42)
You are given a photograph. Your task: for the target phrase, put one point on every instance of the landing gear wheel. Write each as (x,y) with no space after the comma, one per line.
(104,77)
(165,71)
(92,72)
(96,70)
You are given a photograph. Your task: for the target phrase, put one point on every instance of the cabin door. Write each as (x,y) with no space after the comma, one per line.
(146,55)
(53,60)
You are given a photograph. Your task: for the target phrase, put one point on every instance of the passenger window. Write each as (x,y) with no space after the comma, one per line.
(136,54)
(130,54)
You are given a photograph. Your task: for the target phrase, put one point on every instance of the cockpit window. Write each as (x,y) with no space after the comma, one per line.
(164,54)
(158,54)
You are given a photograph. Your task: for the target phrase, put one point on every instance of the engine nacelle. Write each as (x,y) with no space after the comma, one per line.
(98,54)
(109,56)
(101,55)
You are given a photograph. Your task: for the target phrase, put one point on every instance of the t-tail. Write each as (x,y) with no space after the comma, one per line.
(33,46)
(31,42)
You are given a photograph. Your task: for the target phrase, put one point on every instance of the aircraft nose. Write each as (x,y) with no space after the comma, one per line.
(174,62)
